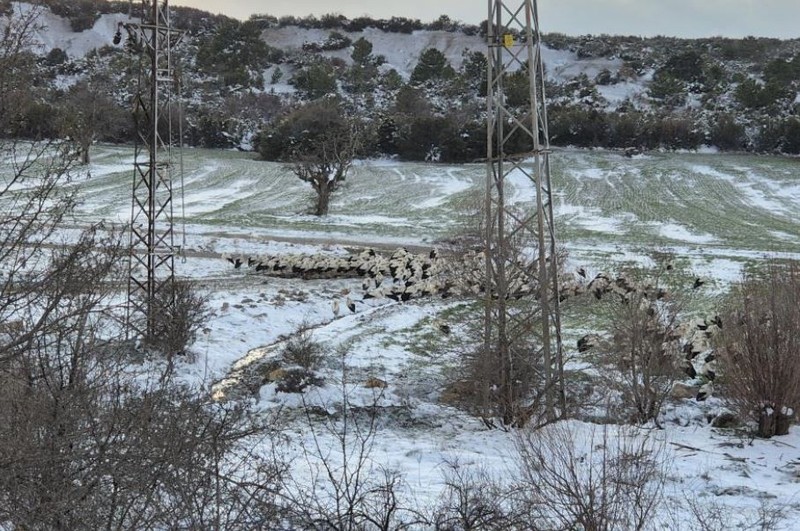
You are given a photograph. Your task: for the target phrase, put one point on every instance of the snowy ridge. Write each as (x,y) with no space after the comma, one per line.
(55,32)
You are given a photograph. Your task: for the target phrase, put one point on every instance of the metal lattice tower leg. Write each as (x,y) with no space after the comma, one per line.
(152,244)
(520,243)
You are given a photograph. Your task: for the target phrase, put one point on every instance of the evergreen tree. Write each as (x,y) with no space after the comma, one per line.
(362,52)
(432,66)
(236,54)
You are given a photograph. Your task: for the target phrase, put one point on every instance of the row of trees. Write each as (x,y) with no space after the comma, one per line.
(392,25)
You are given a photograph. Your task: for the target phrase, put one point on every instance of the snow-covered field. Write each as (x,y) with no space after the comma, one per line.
(719,212)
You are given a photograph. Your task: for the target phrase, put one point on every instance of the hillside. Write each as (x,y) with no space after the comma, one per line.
(614,214)
(603,91)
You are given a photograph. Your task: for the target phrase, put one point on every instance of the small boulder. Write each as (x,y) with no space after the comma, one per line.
(375,383)
(725,420)
(682,391)
(276,375)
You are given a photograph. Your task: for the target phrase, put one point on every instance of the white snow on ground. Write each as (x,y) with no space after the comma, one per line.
(446,187)
(419,434)
(591,219)
(676,231)
(563,65)
(402,51)
(752,187)
(57,33)
(711,172)
(591,173)
(619,92)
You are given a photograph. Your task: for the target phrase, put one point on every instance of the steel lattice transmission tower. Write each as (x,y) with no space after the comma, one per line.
(152,243)
(520,243)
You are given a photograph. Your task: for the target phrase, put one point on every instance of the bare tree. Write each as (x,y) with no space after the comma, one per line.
(608,481)
(17,63)
(87,440)
(33,208)
(758,348)
(89,113)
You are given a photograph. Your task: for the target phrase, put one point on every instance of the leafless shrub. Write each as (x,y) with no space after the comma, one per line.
(615,482)
(708,514)
(347,488)
(642,360)
(758,348)
(517,381)
(473,499)
(184,312)
(87,440)
(107,452)
(769,516)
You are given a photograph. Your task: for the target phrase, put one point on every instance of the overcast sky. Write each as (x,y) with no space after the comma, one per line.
(683,18)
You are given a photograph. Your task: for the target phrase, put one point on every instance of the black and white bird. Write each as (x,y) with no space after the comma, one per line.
(235,260)
(705,391)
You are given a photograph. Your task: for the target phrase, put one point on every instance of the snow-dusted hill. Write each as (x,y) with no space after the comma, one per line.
(604,91)
(54,31)
(402,50)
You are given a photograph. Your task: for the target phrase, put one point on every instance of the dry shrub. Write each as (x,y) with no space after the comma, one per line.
(708,513)
(642,364)
(641,361)
(474,499)
(614,481)
(346,488)
(758,348)
(301,349)
(184,313)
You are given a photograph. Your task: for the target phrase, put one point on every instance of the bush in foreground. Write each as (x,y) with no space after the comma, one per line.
(759,345)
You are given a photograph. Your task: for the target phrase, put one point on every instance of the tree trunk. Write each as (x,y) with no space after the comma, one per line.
(766,424)
(84,149)
(771,423)
(782,423)
(323,198)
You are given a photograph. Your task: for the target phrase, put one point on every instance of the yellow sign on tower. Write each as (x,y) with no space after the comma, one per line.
(508,40)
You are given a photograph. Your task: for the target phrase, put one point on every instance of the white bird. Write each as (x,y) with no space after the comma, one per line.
(335,307)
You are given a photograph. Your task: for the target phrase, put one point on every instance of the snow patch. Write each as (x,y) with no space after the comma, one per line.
(675,231)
